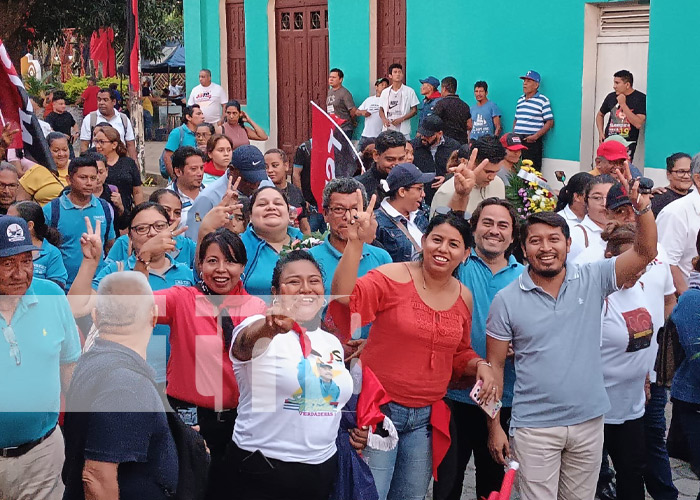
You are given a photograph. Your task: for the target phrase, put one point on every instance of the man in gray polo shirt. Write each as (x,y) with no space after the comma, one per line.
(551,315)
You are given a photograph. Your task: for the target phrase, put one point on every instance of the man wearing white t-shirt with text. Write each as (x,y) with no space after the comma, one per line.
(398,103)
(370,110)
(210,96)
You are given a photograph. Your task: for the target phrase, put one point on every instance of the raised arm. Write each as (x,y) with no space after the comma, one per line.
(465,180)
(644,250)
(359,226)
(80,295)
(276,321)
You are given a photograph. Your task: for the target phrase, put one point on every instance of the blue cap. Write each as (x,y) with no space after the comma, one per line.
(14,236)
(531,75)
(432,81)
(250,163)
(407,174)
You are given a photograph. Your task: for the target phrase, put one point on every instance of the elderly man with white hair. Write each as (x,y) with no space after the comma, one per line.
(679,223)
(118,442)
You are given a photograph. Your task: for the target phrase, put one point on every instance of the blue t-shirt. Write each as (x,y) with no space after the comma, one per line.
(188,138)
(262,259)
(476,275)
(49,265)
(482,119)
(30,392)
(177,274)
(184,250)
(71,225)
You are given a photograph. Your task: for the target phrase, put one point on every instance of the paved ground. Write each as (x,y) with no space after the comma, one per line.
(684,479)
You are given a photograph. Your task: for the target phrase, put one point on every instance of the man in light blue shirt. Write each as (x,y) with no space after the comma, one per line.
(489,268)
(38,351)
(486,116)
(551,317)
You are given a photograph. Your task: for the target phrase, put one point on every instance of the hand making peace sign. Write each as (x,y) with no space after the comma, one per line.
(359,219)
(91,241)
(161,243)
(465,173)
(222,214)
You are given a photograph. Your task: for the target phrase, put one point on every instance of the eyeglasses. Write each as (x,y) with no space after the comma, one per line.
(339,211)
(9,334)
(143,229)
(600,200)
(681,173)
(102,143)
(419,187)
(4,186)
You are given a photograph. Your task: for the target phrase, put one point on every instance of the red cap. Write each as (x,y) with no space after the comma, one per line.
(512,141)
(612,150)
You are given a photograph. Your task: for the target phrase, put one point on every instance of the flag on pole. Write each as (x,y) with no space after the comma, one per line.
(332,152)
(131,52)
(15,107)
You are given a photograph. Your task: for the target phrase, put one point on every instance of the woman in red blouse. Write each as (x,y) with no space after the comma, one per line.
(202,318)
(418,342)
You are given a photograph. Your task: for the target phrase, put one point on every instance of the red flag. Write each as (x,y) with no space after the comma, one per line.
(16,107)
(332,152)
(131,52)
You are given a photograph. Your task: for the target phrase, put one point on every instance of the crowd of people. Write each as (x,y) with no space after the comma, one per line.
(201,342)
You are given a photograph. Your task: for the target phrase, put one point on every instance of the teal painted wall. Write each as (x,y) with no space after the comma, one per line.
(348,45)
(490,46)
(673,109)
(257,62)
(202,40)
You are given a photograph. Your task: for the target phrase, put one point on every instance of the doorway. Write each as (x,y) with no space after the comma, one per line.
(391,35)
(301,30)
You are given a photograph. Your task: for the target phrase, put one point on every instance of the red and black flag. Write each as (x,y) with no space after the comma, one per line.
(15,107)
(131,52)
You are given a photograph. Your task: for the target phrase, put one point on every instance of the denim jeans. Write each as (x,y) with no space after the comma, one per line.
(404,472)
(657,475)
(148,125)
(689,416)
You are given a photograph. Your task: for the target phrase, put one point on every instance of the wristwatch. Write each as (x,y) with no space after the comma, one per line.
(642,211)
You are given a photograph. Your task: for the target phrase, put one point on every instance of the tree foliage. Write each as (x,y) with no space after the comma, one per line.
(160,21)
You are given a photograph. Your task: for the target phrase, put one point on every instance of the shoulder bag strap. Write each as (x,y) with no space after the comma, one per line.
(403,229)
(585,233)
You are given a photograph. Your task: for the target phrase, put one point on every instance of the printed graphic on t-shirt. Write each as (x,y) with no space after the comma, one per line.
(203,98)
(394,105)
(318,394)
(619,124)
(639,327)
(330,104)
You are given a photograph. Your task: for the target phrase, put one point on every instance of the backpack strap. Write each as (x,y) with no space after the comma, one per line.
(585,233)
(124,123)
(182,135)
(55,212)
(93,122)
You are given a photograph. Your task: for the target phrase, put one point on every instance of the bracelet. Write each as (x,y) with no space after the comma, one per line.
(144,262)
(484,362)
(642,211)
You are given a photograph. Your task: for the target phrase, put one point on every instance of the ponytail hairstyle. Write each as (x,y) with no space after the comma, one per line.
(576,185)
(31,211)
(112,135)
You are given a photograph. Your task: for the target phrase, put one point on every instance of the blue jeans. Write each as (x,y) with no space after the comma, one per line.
(148,125)
(404,472)
(690,424)
(657,475)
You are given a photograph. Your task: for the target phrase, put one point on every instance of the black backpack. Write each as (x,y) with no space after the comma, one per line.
(56,214)
(193,459)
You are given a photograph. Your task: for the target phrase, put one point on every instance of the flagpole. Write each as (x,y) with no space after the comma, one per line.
(357,155)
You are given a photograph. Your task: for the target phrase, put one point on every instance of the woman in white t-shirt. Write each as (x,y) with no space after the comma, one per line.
(627,333)
(587,233)
(293,384)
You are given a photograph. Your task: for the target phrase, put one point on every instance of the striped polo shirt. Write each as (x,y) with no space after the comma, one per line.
(530,114)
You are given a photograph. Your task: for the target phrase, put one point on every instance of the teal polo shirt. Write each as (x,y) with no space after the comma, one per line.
(184,250)
(476,275)
(177,274)
(30,393)
(181,136)
(262,259)
(328,257)
(71,225)
(49,264)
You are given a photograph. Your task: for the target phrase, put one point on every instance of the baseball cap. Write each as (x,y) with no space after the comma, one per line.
(380,80)
(250,163)
(14,236)
(531,75)
(512,141)
(432,81)
(430,126)
(612,150)
(616,197)
(406,174)
(620,139)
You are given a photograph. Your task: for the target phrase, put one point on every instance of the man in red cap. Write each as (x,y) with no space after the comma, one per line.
(514,150)
(610,156)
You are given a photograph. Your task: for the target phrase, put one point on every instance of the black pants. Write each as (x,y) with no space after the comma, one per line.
(533,151)
(469,433)
(253,479)
(217,430)
(626,447)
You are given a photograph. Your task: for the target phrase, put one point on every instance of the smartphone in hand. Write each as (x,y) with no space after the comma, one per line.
(491,408)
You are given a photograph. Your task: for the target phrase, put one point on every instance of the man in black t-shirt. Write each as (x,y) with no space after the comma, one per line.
(62,121)
(301,175)
(627,108)
(454,112)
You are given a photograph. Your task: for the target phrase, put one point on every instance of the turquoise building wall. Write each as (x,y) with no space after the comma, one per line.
(492,41)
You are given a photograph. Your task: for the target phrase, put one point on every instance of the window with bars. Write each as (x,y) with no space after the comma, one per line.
(316,20)
(284,21)
(298,20)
